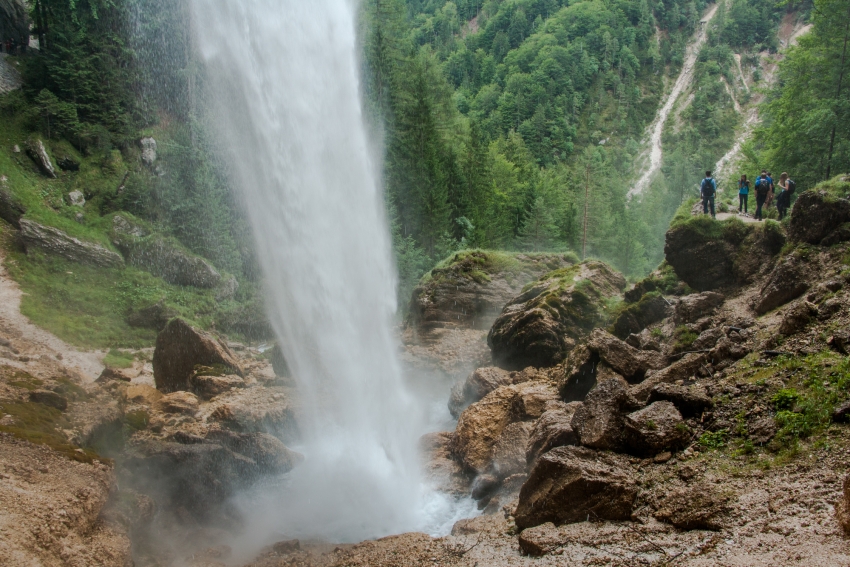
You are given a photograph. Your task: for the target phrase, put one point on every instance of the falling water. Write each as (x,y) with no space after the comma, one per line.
(284,74)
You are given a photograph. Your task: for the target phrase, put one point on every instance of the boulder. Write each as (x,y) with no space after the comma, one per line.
(697,305)
(481,425)
(690,401)
(707,340)
(629,362)
(471,288)
(840,341)
(572,484)
(656,428)
(267,451)
(816,214)
(179,402)
(38,153)
(77,199)
(540,540)
(757,253)
(167,259)
(11,210)
(543,324)
(49,398)
(441,470)
(154,316)
(651,308)
(509,450)
(702,251)
(696,507)
(797,317)
(787,281)
(552,429)
(180,348)
(682,369)
(840,234)
(124,226)
(54,241)
(207,387)
(480,382)
(842,510)
(113,374)
(599,423)
(580,372)
(841,414)
(148,146)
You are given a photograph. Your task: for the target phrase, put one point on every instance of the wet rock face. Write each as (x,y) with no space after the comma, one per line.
(54,241)
(148,146)
(570,484)
(542,325)
(599,422)
(787,281)
(816,214)
(509,451)
(690,402)
(180,348)
(481,382)
(656,428)
(474,287)
(682,369)
(697,305)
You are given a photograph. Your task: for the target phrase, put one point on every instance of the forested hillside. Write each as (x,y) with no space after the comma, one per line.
(507,121)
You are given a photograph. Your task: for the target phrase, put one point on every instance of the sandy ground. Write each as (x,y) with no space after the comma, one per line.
(39,343)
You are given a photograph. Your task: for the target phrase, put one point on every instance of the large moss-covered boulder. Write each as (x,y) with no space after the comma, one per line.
(542,325)
(702,251)
(819,212)
(469,289)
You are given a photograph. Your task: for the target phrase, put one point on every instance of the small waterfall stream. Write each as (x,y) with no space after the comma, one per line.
(285,83)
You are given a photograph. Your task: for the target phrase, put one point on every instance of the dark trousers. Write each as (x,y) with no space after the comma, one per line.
(708,200)
(759,204)
(742,202)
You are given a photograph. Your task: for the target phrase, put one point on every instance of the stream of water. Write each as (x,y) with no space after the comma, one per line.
(284,74)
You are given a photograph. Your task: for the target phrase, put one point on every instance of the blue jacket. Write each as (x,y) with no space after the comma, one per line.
(743,187)
(713,186)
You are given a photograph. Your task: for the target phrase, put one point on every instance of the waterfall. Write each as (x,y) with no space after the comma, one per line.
(284,78)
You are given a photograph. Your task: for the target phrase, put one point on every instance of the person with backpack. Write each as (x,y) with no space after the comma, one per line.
(762,191)
(707,190)
(743,193)
(772,191)
(783,201)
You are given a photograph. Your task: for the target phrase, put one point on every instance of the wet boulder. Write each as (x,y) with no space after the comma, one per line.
(179,402)
(570,484)
(690,401)
(599,422)
(552,429)
(816,214)
(545,322)
(651,308)
(697,305)
(168,259)
(154,316)
(267,451)
(180,348)
(627,361)
(683,369)
(656,428)
(702,251)
(480,382)
(441,470)
(787,281)
(208,387)
(509,450)
(58,243)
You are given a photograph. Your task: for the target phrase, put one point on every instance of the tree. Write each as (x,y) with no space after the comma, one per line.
(538,229)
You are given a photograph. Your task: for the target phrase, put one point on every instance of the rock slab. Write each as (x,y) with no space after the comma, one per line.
(54,241)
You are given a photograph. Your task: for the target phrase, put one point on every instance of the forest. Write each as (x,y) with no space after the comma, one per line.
(506,124)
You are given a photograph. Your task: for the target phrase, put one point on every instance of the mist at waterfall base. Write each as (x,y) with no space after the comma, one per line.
(286,93)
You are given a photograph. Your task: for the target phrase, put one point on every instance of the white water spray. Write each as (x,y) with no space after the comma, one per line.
(284,74)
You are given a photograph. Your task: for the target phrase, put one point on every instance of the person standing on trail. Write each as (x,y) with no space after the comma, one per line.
(772,191)
(762,191)
(783,201)
(707,190)
(743,193)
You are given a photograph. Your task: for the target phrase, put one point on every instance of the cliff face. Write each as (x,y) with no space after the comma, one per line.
(14,21)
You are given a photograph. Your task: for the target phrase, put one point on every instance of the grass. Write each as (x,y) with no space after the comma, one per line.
(684,337)
(480,265)
(118,359)
(40,424)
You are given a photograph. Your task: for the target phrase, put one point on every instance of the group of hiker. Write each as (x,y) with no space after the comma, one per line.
(765,191)
(13,47)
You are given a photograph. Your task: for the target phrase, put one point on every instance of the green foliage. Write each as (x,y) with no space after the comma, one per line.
(785,399)
(684,337)
(118,359)
(713,440)
(41,424)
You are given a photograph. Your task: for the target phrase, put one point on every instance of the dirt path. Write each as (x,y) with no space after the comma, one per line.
(656,152)
(40,343)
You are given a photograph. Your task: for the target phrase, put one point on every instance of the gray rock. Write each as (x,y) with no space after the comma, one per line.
(697,507)
(599,422)
(11,210)
(154,317)
(682,369)
(478,384)
(694,306)
(708,339)
(656,428)
(38,153)
(227,289)
(165,258)
(762,430)
(816,214)
(122,226)
(786,282)
(509,451)
(54,241)
(690,402)
(629,362)
(148,151)
(552,429)
(797,317)
(208,387)
(570,484)
(77,199)
(580,373)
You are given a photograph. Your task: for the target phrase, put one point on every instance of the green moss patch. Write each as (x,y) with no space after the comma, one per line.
(40,424)
(118,359)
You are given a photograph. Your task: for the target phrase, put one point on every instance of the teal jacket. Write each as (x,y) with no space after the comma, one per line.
(743,187)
